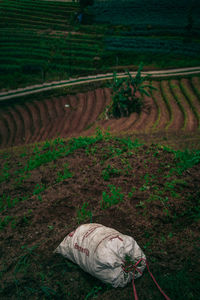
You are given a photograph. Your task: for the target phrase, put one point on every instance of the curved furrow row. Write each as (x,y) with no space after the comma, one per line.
(140,122)
(191,97)
(94,109)
(11,127)
(152,111)
(44,119)
(4,132)
(174,106)
(27,121)
(73,115)
(19,127)
(124,124)
(84,114)
(64,104)
(87,117)
(58,115)
(163,113)
(51,119)
(102,97)
(176,116)
(36,121)
(195,84)
(190,120)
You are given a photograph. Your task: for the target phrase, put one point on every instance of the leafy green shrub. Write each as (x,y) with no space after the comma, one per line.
(84,213)
(114,198)
(109,171)
(127,94)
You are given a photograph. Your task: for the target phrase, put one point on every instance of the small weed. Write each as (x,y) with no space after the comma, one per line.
(5,221)
(84,213)
(38,189)
(5,175)
(64,175)
(93,293)
(130,194)
(141,204)
(24,261)
(113,198)
(109,172)
(6,202)
(186,159)
(91,150)
(51,227)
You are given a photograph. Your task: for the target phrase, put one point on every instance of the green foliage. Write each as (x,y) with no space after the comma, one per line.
(8,202)
(114,197)
(24,261)
(38,189)
(4,176)
(109,172)
(5,221)
(64,175)
(93,293)
(85,3)
(127,94)
(84,213)
(187,159)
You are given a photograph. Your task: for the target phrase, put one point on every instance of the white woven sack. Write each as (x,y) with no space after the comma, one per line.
(101,251)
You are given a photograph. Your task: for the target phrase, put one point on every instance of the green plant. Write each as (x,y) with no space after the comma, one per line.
(38,189)
(93,293)
(5,172)
(109,172)
(64,175)
(84,213)
(5,221)
(24,261)
(114,197)
(130,194)
(186,159)
(127,94)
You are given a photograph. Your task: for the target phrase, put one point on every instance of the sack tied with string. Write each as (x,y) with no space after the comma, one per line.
(104,253)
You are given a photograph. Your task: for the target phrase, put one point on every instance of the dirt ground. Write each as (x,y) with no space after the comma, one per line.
(43,192)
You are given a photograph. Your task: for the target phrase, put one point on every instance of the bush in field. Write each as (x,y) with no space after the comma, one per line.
(127,94)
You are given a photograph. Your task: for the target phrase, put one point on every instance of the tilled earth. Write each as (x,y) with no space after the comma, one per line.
(49,189)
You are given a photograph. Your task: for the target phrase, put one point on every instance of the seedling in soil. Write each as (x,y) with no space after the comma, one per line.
(38,189)
(6,202)
(25,260)
(84,213)
(109,172)
(141,204)
(93,293)
(5,173)
(5,221)
(91,151)
(114,198)
(130,194)
(64,175)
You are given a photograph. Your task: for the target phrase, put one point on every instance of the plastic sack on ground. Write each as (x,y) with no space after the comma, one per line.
(104,253)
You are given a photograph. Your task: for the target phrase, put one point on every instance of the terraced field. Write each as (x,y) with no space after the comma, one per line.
(43,40)
(173,107)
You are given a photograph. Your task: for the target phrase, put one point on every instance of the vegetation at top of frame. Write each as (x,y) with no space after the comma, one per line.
(49,189)
(127,94)
(47,41)
(163,13)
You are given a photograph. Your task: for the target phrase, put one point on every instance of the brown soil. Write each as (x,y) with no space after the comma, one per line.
(160,206)
(161,217)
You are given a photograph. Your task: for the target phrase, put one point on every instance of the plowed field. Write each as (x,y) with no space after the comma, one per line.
(173,107)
